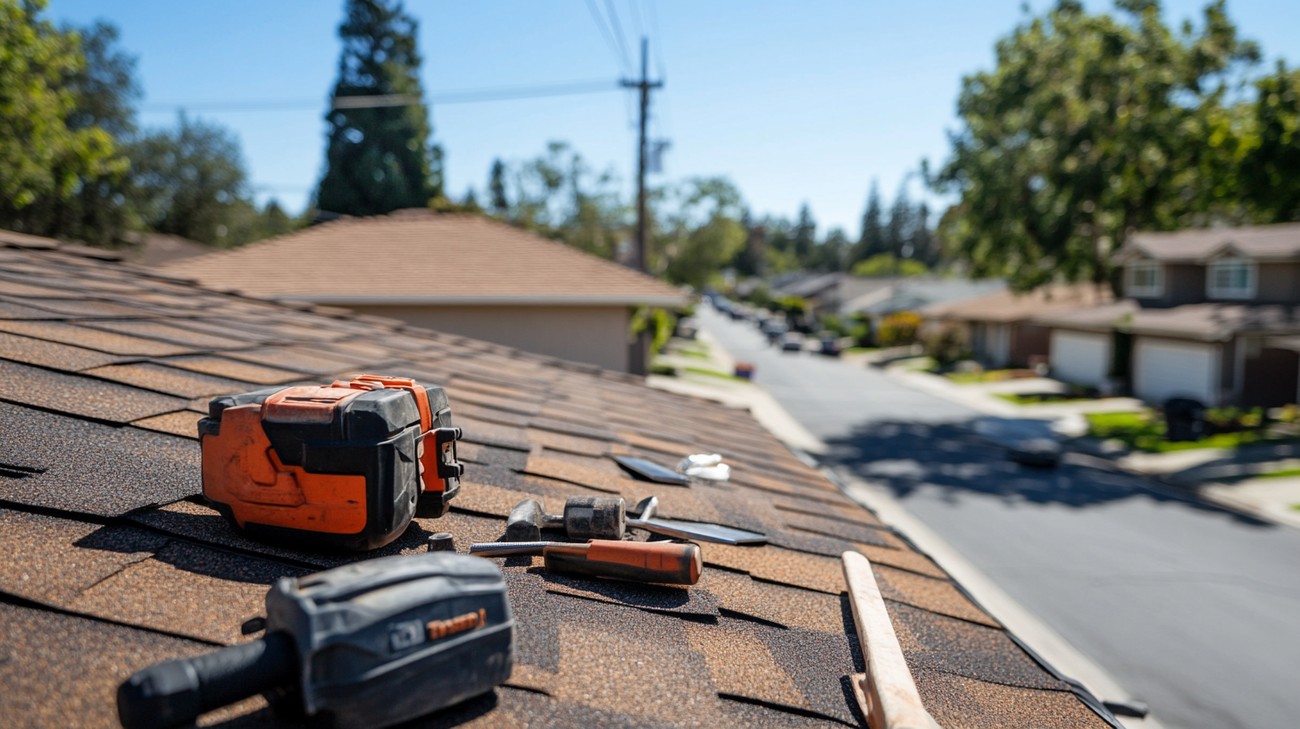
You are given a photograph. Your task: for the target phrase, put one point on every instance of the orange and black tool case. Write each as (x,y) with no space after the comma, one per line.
(342,466)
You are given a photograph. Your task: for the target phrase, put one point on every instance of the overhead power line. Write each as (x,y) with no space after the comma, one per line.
(619,58)
(617,26)
(464,96)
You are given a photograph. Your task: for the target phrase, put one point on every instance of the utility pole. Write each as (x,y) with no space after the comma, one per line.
(638,351)
(645,86)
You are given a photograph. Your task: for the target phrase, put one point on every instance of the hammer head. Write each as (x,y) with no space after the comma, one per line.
(595,517)
(525,522)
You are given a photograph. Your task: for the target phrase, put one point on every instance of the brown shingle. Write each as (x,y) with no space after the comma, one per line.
(81,395)
(186,590)
(168,333)
(96,339)
(168,380)
(183,423)
(491,261)
(63,671)
(234,370)
(91,468)
(49,354)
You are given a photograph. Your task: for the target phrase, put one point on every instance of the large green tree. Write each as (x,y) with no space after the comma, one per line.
(190,181)
(378,157)
(1089,127)
(704,233)
(1271,162)
(558,195)
(53,153)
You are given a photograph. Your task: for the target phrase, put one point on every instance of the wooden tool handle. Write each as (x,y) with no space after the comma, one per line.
(662,562)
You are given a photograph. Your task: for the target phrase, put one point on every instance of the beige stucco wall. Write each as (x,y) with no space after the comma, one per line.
(592,334)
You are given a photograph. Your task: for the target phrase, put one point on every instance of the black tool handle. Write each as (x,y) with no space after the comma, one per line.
(177,692)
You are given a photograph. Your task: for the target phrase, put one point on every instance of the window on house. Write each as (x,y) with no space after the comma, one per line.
(1230,278)
(1145,279)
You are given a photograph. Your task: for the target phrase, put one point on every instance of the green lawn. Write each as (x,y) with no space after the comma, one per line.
(713,373)
(1036,398)
(971,378)
(693,352)
(1145,432)
(1284,473)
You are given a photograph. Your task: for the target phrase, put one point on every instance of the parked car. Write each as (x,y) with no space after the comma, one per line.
(774,329)
(829,344)
(791,342)
(1036,452)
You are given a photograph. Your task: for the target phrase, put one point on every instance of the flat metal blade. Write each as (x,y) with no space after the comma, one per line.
(699,531)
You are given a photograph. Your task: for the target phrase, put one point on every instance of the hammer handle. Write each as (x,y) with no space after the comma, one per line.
(177,692)
(663,562)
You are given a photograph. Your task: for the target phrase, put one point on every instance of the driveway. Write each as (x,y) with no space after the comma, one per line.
(1194,609)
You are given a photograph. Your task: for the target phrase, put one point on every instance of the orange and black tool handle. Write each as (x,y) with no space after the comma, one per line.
(662,562)
(175,693)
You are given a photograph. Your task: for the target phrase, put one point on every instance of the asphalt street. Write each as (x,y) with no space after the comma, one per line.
(1193,609)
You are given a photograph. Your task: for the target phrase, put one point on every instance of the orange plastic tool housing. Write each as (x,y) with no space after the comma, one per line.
(344,465)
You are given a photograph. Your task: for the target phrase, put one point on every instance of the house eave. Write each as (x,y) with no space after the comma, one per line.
(487,300)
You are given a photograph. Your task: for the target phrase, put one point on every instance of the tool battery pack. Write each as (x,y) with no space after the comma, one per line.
(343,466)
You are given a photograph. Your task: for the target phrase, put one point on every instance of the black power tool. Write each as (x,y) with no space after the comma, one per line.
(369,644)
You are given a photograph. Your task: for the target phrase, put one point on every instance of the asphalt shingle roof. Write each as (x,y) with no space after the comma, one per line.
(114,563)
(1281,241)
(417,256)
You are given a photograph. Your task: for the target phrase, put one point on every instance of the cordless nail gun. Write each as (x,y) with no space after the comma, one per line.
(341,466)
(365,645)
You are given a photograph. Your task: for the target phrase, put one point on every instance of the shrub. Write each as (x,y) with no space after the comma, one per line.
(899,329)
(946,345)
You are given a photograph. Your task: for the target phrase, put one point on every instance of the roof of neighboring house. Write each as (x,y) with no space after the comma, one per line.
(114,562)
(1266,242)
(1006,306)
(415,257)
(157,249)
(809,284)
(1202,322)
(912,294)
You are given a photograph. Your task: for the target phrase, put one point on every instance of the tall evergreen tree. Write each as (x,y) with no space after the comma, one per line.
(899,229)
(871,241)
(805,234)
(378,158)
(498,202)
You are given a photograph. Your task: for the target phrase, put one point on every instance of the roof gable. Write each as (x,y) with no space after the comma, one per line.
(1261,242)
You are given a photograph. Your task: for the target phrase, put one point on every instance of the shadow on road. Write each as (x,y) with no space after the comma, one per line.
(1248,462)
(956,459)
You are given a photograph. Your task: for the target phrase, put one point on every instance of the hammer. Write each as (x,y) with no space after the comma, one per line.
(605,517)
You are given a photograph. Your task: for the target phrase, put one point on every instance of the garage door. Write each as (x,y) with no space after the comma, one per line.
(1162,370)
(1080,358)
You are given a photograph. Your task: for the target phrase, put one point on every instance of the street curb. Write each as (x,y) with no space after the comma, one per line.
(1192,492)
(1189,491)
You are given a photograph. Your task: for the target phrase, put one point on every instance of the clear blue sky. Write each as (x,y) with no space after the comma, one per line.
(794,101)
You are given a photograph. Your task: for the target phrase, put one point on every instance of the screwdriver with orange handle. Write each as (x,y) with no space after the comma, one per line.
(663,562)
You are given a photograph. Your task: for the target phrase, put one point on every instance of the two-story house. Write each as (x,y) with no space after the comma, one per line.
(1210,314)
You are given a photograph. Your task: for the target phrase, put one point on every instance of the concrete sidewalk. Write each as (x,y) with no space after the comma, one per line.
(1233,480)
